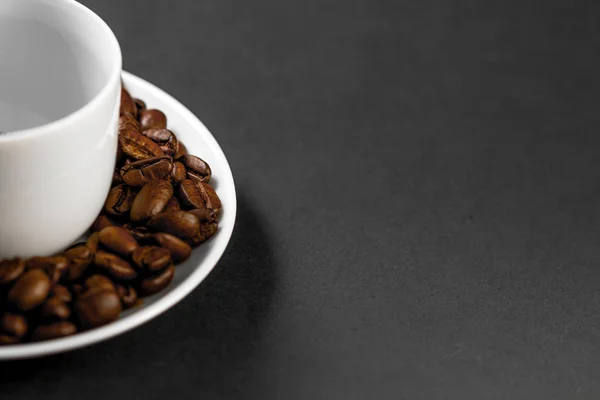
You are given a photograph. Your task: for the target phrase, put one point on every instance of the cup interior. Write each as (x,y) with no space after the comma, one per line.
(56,56)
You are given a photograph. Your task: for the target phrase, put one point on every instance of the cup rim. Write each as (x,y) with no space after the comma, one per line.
(83,111)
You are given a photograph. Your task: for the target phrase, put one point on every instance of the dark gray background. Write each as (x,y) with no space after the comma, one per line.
(419,204)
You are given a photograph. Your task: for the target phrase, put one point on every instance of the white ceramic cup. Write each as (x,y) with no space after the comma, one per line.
(60,68)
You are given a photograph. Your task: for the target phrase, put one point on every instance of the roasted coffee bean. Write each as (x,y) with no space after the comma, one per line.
(180,250)
(97,306)
(127,104)
(10,270)
(74,245)
(182,224)
(98,281)
(139,233)
(151,258)
(30,290)
(208,223)
(93,242)
(198,170)
(14,325)
(80,258)
(207,231)
(211,199)
(101,222)
(191,195)
(118,240)
(159,135)
(79,252)
(153,119)
(155,284)
(151,200)
(173,205)
(55,308)
(62,293)
(128,296)
(128,122)
(141,172)
(178,172)
(55,266)
(140,104)
(53,331)
(119,200)
(205,215)
(197,194)
(181,151)
(117,179)
(114,265)
(138,146)
(59,262)
(165,138)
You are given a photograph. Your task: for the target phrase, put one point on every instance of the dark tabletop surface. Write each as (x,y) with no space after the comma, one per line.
(419,204)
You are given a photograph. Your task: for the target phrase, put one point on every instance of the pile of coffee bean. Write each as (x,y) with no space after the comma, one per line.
(160,206)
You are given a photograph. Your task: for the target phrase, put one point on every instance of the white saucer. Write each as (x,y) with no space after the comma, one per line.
(199,141)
